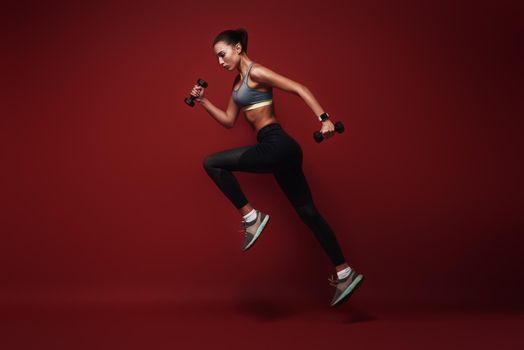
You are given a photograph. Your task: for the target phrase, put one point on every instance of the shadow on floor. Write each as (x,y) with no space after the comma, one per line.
(353,314)
(263,309)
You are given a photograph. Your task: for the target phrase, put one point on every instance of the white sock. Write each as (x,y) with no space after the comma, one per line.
(344,273)
(252,215)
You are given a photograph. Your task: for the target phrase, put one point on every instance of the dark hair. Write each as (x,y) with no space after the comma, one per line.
(232,37)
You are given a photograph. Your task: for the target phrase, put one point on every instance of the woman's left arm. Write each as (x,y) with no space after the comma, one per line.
(273,79)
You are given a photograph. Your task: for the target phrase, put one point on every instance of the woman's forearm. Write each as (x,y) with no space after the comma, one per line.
(219,115)
(311,101)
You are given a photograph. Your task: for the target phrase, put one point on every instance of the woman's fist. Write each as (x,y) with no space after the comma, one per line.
(198,92)
(328,129)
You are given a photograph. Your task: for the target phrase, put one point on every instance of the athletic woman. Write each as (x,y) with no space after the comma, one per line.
(276,152)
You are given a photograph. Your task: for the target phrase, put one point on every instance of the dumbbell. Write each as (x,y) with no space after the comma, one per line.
(318,136)
(189,100)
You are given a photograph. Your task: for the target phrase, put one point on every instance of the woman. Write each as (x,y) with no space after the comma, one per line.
(276,151)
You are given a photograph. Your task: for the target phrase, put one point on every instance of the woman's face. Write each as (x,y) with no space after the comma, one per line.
(227,55)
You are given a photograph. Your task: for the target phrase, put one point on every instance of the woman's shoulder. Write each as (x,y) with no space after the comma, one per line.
(258,71)
(260,74)
(256,67)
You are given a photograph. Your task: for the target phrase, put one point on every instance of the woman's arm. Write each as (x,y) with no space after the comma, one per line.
(267,76)
(226,119)
(271,78)
(311,101)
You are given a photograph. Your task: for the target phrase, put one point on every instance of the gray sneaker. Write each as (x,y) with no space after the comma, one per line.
(345,287)
(253,229)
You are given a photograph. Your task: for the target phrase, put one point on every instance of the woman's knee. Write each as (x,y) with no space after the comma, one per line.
(307,211)
(209,163)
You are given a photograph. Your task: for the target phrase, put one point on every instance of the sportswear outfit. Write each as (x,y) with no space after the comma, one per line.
(278,153)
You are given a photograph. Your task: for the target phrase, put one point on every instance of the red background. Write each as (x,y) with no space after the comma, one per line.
(104,197)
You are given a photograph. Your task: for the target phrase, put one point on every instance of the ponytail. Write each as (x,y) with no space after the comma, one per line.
(242,33)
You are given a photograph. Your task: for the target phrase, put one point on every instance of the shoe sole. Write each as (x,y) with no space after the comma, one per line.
(349,290)
(259,231)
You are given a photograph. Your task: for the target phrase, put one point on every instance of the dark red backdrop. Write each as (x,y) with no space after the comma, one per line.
(103,192)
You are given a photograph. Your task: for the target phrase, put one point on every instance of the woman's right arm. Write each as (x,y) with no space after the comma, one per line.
(226,119)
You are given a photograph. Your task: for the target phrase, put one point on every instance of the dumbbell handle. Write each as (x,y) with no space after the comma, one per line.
(190,100)
(318,136)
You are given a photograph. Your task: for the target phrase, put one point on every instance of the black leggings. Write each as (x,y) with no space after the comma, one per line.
(277,153)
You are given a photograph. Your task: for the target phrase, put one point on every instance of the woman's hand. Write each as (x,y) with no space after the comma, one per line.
(198,92)
(328,129)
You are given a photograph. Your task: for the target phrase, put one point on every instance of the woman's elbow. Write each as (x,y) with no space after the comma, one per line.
(301,89)
(230,124)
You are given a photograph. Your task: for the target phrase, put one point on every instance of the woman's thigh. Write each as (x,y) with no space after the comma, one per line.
(252,158)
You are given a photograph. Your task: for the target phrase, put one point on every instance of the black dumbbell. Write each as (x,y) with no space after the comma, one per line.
(189,100)
(318,136)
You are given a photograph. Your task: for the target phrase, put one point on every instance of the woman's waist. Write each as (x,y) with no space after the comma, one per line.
(273,132)
(271,128)
(260,121)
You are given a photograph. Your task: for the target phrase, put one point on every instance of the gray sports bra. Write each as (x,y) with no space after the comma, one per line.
(249,98)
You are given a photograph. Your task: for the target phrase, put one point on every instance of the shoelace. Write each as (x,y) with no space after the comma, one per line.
(243,225)
(333,281)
